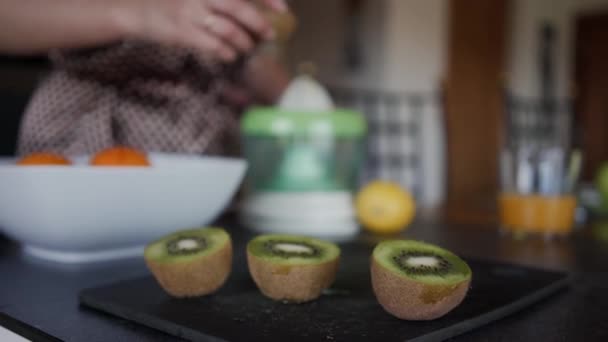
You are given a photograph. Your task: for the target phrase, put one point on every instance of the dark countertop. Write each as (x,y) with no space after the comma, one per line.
(44,295)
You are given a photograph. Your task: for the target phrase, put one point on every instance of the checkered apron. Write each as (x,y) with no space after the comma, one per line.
(134,94)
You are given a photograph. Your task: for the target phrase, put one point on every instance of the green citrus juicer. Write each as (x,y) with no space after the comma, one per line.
(304,158)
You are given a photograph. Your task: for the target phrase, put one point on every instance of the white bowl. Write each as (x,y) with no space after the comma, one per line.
(81,213)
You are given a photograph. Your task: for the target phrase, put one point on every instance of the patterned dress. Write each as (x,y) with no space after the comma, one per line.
(134,94)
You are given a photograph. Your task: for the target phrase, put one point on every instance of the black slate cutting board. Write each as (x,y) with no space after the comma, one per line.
(346,312)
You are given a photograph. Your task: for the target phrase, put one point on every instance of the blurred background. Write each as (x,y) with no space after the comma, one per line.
(436,80)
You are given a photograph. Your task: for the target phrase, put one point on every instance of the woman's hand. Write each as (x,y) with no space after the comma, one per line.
(218,29)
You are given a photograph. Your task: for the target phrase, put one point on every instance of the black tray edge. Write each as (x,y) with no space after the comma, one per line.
(495,315)
(152,323)
(25,330)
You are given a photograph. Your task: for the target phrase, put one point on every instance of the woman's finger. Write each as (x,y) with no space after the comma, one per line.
(276,5)
(228,31)
(210,46)
(245,14)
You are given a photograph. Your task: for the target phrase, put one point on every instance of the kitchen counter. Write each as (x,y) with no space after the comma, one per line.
(45,295)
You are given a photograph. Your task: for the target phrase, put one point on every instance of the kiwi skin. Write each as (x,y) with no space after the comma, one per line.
(198,277)
(413,300)
(292,283)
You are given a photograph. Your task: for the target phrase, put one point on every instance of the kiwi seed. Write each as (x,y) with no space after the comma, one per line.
(419,263)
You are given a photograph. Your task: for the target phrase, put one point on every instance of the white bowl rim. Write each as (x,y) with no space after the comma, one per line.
(80,162)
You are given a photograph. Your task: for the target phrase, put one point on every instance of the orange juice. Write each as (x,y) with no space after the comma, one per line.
(537,213)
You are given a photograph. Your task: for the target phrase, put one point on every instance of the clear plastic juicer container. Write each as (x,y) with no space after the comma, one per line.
(301,157)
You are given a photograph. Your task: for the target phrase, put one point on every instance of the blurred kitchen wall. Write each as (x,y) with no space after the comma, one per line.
(401,43)
(416,44)
(322,38)
(526,18)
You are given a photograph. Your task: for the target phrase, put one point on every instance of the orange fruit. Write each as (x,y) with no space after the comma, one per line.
(384,207)
(43,158)
(120,156)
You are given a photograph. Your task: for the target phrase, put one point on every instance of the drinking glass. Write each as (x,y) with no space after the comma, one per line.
(538,168)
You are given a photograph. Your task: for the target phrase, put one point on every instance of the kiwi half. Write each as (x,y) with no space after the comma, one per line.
(191,263)
(418,281)
(292,268)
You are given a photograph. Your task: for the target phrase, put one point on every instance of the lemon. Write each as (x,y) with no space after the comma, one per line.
(384,207)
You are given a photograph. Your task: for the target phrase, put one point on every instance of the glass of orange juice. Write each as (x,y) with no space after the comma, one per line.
(539,170)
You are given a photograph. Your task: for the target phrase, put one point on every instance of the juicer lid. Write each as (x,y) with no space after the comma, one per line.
(305,108)
(269,121)
(305,94)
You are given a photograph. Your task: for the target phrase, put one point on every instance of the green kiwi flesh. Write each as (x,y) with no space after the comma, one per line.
(292,249)
(418,281)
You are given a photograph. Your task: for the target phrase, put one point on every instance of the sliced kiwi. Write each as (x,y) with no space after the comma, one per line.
(292,268)
(414,280)
(192,262)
